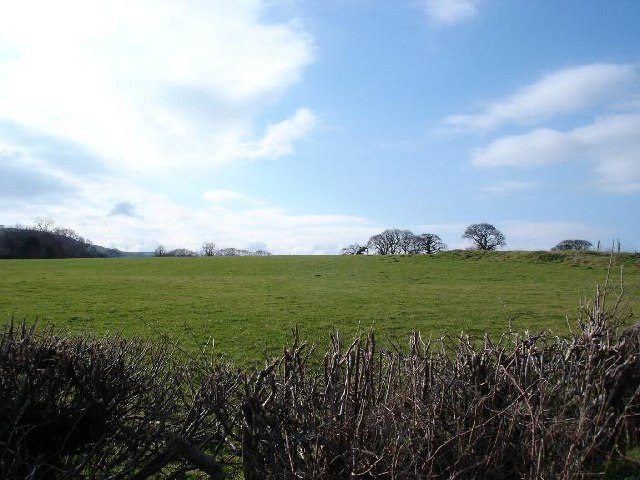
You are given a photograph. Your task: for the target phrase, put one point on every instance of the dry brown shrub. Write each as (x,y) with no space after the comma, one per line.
(108,408)
(523,406)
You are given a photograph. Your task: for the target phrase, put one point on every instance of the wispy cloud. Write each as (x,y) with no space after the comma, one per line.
(611,143)
(562,92)
(538,147)
(448,12)
(143,90)
(220,195)
(509,186)
(278,139)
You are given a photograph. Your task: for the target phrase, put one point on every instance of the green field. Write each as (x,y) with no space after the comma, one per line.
(249,304)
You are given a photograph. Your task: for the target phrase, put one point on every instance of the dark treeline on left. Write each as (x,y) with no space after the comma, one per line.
(45,240)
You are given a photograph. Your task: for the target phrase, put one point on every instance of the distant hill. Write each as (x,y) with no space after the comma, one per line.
(30,243)
(136,254)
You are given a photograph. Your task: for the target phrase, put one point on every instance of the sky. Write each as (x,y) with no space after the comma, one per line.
(302,126)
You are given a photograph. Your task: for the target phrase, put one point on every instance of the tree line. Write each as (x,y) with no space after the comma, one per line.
(209,249)
(46,240)
(45,224)
(394,241)
(484,236)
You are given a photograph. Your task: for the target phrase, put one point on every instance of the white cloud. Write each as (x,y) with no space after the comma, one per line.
(612,143)
(278,140)
(538,147)
(448,12)
(562,92)
(146,83)
(216,196)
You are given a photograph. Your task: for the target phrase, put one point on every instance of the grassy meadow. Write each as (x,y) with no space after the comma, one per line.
(249,304)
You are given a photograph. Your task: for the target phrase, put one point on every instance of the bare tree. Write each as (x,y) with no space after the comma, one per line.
(395,241)
(429,243)
(70,233)
(408,242)
(160,251)
(485,236)
(43,224)
(387,242)
(354,249)
(208,249)
(573,245)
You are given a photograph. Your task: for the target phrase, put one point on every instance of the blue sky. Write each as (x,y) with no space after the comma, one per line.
(301,126)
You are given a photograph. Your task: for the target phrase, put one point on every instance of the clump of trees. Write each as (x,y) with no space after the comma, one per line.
(355,249)
(181,252)
(209,249)
(394,241)
(518,406)
(45,224)
(241,252)
(581,245)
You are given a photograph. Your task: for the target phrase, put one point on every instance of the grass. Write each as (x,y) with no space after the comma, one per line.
(248,304)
